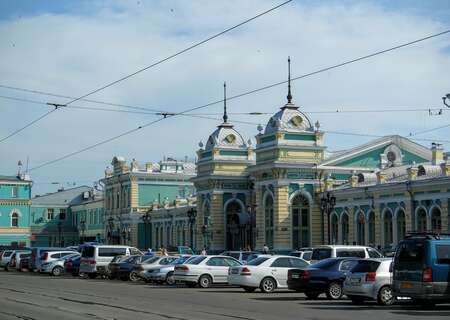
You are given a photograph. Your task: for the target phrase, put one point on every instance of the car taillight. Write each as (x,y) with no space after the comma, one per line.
(305,275)
(246,272)
(92,262)
(33,255)
(427,275)
(370,276)
(45,257)
(182,268)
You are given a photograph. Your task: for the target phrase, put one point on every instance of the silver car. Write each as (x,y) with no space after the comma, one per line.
(164,273)
(370,279)
(56,267)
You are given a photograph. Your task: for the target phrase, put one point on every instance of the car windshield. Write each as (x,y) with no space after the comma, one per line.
(410,255)
(180,260)
(321,253)
(88,252)
(150,260)
(324,264)
(197,260)
(132,259)
(257,261)
(117,259)
(365,266)
(307,255)
(7,253)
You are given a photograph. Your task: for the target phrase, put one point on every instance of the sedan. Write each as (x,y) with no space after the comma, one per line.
(326,276)
(265,272)
(140,270)
(164,271)
(205,270)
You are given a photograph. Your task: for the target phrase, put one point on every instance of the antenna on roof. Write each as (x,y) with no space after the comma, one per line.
(225,116)
(289,96)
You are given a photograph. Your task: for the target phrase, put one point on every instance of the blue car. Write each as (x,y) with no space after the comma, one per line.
(326,276)
(421,268)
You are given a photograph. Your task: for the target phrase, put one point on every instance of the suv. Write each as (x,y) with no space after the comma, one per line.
(48,257)
(36,255)
(342,251)
(421,268)
(95,259)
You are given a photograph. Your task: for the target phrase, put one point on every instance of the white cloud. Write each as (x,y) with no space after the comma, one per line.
(73,54)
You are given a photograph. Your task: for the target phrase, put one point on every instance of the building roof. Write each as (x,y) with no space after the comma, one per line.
(289,119)
(16,178)
(62,198)
(225,136)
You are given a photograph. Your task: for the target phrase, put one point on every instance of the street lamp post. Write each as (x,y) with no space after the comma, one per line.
(147,218)
(110,229)
(327,204)
(251,209)
(83,228)
(59,233)
(192,215)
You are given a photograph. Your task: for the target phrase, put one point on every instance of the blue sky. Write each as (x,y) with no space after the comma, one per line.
(72,47)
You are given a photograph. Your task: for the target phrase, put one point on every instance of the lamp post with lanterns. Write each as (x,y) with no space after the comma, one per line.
(147,219)
(192,215)
(327,204)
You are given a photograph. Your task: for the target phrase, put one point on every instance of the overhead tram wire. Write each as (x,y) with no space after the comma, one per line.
(254,113)
(180,52)
(243,94)
(254,90)
(429,130)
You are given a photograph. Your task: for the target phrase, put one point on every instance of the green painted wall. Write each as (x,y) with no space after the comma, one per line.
(151,192)
(304,137)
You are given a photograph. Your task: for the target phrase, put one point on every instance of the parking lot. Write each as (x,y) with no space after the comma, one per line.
(31,296)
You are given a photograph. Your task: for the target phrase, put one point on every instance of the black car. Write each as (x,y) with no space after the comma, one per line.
(126,266)
(325,276)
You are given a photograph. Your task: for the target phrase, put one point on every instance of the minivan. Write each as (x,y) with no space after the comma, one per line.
(95,259)
(343,251)
(421,268)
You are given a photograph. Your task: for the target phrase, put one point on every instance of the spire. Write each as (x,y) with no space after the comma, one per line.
(225,116)
(289,96)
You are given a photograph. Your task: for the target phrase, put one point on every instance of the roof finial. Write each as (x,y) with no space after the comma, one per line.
(225,116)
(289,96)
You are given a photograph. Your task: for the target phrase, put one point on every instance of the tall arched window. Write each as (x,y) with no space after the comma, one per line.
(15,219)
(268,221)
(371,226)
(300,222)
(334,228)
(421,218)
(436,223)
(345,228)
(388,231)
(361,229)
(401,224)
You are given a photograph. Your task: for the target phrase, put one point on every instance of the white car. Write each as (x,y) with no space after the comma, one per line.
(56,267)
(343,251)
(205,270)
(265,272)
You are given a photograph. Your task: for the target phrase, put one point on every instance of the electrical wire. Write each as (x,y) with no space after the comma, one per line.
(179,52)
(429,130)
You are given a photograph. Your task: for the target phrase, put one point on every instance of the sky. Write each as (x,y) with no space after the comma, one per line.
(73,47)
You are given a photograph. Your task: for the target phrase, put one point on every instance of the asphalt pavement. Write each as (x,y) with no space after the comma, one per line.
(40,297)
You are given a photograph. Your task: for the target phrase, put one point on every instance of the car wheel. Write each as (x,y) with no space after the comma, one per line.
(385,296)
(249,289)
(170,279)
(205,281)
(268,285)
(357,299)
(134,277)
(334,291)
(312,295)
(92,275)
(57,271)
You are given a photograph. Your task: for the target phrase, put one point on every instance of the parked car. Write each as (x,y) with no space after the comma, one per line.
(421,268)
(205,270)
(370,279)
(265,272)
(176,250)
(242,256)
(112,270)
(5,258)
(95,259)
(140,270)
(72,265)
(326,276)
(342,251)
(36,255)
(50,256)
(14,260)
(25,262)
(19,256)
(126,267)
(162,270)
(55,267)
(303,254)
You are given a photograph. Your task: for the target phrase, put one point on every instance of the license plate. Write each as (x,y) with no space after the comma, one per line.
(295,276)
(234,271)
(406,285)
(355,281)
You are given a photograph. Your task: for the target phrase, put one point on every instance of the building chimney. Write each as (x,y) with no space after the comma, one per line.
(437,154)
(412,173)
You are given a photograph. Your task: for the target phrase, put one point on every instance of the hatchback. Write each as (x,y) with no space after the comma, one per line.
(370,279)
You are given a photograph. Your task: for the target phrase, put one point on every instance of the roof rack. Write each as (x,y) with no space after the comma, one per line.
(426,234)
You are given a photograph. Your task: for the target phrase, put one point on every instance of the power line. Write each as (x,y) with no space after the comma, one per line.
(429,130)
(179,52)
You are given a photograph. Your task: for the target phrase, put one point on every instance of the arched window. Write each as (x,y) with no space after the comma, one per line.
(371,228)
(345,228)
(334,228)
(401,225)
(421,218)
(268,221)
(300,222)
(388,231)
(361,229)
(15,219)
(436,223)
